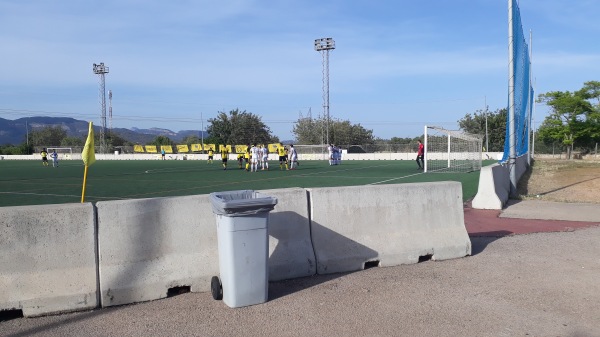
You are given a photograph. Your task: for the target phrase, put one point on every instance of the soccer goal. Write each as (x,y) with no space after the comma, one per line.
(63,152)
(311,152)
(451,151)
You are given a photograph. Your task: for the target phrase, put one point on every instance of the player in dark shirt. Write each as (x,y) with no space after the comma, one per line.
(224,155)
(421,156)
(44,157)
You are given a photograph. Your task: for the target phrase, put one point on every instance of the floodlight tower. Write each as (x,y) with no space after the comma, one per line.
(324,45)
(101,70)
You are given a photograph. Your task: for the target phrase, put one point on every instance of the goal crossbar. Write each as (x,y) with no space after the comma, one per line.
(451,150)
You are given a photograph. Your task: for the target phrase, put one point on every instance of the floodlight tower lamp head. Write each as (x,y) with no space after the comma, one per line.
(325,43)
(100,68)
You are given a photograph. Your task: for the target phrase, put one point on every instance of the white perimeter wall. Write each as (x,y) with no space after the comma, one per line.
(272,156)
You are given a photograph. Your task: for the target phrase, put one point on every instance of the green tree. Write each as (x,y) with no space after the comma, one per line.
(189,140)
(406,144)
(72,141)
(496,125)
(22,149)
(162,140)
(591,90)
(311,131)
(114,139)
(25,148)
(47,136)
(400,140)
(568,121)
(239,127)
(346,133)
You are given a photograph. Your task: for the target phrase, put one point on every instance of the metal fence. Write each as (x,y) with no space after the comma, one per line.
(362,148)
(306,149)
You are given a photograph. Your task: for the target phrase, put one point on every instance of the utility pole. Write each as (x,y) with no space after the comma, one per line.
(110,112)
(487,143)
(202,132)
(27,131)
(530,134)
(512,156)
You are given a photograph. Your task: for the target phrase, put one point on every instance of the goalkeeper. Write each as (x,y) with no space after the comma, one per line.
(421,156)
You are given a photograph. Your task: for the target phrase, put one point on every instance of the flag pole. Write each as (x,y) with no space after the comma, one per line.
(84,183)
(88,156)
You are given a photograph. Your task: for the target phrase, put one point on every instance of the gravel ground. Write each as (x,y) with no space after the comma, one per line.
(544,284)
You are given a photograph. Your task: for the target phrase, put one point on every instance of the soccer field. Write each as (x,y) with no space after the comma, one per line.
(30,183)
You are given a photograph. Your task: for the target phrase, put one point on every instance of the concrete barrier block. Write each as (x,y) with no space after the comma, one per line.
(522,166)
(494,184)
(493,189)
(47,258)
(291,252)
(148,246)
(387,225)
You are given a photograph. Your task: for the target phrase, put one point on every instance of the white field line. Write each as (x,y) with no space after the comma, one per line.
(58,195)
(385,181)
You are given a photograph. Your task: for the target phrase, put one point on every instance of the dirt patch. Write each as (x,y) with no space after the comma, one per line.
(562,180)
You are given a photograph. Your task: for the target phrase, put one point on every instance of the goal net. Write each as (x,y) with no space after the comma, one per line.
(63,152)
(451,151)
(312,152)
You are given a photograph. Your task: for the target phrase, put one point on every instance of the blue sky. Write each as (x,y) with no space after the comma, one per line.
(397,66)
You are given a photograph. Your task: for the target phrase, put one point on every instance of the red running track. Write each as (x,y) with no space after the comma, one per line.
(482,222)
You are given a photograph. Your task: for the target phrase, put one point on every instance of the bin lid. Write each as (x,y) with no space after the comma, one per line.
(241,203)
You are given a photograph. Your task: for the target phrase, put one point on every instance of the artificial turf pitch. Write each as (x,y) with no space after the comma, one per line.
(28,182)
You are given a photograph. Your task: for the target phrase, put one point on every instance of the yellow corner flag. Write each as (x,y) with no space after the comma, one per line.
(89,157)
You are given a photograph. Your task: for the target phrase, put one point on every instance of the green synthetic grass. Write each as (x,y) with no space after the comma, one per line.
(30,183)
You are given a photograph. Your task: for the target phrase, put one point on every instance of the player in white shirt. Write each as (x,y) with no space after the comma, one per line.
(336,155)
(54,157)
(265,158)
(259,162)
(293,157)
(254,155)
(330,151)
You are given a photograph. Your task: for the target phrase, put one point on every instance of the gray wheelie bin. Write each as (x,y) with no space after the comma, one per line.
(243,240)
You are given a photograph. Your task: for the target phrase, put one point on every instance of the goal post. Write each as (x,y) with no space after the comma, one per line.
(63,152)
(451,151)
(311,152)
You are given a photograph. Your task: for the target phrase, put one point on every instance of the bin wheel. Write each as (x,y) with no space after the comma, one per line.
(216,289)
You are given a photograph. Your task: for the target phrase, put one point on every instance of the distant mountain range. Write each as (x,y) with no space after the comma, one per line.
(15,131)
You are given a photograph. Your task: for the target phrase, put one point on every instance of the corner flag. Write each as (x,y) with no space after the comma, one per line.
(88,155)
